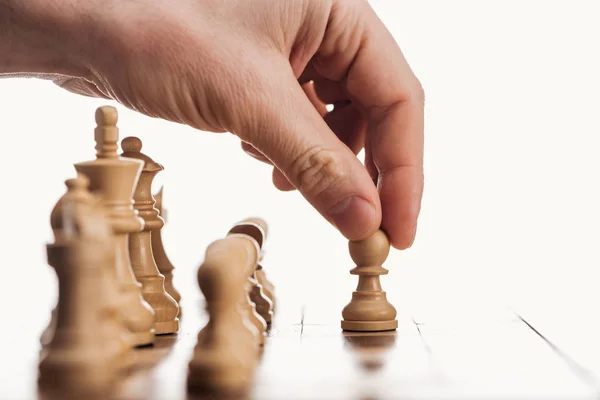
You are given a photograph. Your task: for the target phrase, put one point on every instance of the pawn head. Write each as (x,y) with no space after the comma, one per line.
(371,251)
(81,182)
(131,144)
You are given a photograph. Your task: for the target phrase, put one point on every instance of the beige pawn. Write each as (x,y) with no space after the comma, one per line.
(226,355)
(262,303)
(260,275)
(114,179)
(88,347)
(162,261)
(140,243)
(369,309)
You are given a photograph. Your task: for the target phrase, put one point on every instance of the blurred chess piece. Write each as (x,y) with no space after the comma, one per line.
(114,179)
(160,255)
(257,304)
(260,295)
(259,274)
(369,309)
(226,353)
(88,347)
(140,243)
(48,333)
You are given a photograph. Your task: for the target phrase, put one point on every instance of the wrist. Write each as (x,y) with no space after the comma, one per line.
(42,37)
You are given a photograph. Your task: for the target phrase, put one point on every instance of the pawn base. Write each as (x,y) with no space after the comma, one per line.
(166,327)
(370,326)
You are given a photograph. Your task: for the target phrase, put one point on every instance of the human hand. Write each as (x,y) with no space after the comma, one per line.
(264,70)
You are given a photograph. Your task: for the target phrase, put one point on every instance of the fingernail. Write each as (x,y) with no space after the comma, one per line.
(353,216)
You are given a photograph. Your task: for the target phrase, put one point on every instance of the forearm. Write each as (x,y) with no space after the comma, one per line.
(39,37)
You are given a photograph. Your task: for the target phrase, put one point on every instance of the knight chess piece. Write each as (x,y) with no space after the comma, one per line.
(140,243)
(369,309)
(114,179)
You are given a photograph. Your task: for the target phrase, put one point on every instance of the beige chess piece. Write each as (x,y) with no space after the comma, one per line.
(226,355)
(88,347)
(369,309)
(114,179)
(140,243)
(260,275)
(247,306)
(160,255)
(263,304)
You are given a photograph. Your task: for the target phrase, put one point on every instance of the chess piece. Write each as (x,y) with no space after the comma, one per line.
(160,256)
(88,346)
(263,304)
(114,178)
(226,354)
(267,287)
(252,314)
(260,275)
(140,243)
(369,309)
(48,333)
(247,305)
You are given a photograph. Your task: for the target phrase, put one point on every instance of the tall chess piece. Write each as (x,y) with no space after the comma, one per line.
(114,179)
(88,346)
(158,249)
(369,309)
(225,355)
(140,243)
(260,275)
(263,304)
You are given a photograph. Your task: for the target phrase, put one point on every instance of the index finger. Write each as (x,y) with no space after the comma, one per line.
(358,50)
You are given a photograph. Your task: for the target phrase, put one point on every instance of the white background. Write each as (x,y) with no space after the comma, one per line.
(511,208)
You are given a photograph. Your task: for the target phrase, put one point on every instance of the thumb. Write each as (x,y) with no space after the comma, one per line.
(284,125)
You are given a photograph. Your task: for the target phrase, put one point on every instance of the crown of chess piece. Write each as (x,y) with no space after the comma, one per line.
(88,346)
(369,309)
(140,243)
(114,179)
(165,267)
(226,354)
(263,304)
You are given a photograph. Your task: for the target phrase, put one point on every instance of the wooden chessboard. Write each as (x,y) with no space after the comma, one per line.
(307,356)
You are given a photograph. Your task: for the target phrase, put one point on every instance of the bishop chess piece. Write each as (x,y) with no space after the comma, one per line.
(369,309)
(160,256)
(262,303)
(140,243)
(225,355)
(88,347)
(114,179)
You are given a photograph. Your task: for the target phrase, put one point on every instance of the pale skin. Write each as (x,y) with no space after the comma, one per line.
(263,70)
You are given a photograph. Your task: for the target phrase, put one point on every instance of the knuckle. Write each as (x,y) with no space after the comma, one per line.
(317,170)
